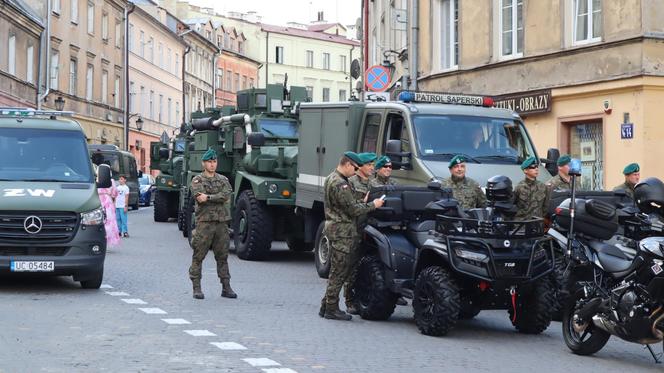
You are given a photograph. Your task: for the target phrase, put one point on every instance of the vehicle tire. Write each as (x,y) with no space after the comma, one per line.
(533,310)
(190,220)
(298,244)
(322,251)
(161,207)
(564,285)
(372,293)
(436,301)
(578,343)
(93,282)
(252,227)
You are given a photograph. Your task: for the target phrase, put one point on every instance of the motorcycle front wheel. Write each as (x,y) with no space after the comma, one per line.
(583,338)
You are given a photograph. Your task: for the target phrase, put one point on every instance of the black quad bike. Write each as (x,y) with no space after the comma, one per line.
(453,263)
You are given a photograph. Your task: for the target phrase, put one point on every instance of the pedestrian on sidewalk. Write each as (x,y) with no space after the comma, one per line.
(122,206)
(213,194)
(107,198)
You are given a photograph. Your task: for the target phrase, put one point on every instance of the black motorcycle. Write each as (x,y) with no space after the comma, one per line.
(623,296)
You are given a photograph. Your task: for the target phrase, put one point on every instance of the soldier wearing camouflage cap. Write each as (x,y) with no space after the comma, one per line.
(213,195)
(531,196)
(464,189)
(341,211)
(632,174)
(561,182)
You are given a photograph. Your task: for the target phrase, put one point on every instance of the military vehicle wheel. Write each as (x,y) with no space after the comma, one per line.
(436,301)
(373,295)
(252,227)
(534,309)
(298,244)
(161,207)
(190,220)
(94,281)
(322,250)
(564,285)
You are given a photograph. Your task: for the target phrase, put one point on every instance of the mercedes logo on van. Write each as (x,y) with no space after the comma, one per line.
(32,224)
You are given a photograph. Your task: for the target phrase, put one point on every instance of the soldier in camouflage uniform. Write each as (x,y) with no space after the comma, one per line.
(341,212)
(561,182)
(382,172)
(531,196)
(213,193)
(464,189)
(632,174)
(361,183)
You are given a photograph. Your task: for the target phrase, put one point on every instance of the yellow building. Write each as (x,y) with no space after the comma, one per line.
(586,75)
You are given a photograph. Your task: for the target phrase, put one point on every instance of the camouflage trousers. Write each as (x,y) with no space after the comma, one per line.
(340,267)
(210,235)
(356,254)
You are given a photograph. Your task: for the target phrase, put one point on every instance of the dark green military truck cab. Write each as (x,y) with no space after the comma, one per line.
(167,157)
(51,219)
(122,163)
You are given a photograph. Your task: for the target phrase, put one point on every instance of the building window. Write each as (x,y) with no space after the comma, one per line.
(170,112)
(219,79)
(326,94)
(236,82)
(161,107)
(220,42)
(104,27)
(342,95)
(251,82)
(244,82)
(29,75)
(151,107)
(587,20)
(73,67)
(446,19)
(280,55)
(74,11)
(55,69)
(511,28)
(310,58)
(177,110)
(326,61)
(118,34)
(160,55)
(240,47)
(91,18)
(116,92)
(151,49)
(142,97)
(89,78)
(55,6)
(141,44)
(130,38)
(168,60)
(310,92)
(11,55)
(229,81)
(342,63)
(132,97)
(177,64)
(104,87)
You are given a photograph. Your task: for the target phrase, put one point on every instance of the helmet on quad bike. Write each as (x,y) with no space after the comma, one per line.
(649,195)
(499,188)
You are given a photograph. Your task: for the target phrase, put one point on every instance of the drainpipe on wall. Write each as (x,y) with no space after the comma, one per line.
(414,44)
(214,80)
(366,35)
(126,108)
(184,96)
(267,55)
(41,98)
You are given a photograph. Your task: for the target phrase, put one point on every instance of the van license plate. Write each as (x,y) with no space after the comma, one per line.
(32,266)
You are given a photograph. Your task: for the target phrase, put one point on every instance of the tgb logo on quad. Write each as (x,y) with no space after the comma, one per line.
(28,193)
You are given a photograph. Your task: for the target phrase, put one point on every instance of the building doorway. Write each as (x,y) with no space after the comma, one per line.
(586,142)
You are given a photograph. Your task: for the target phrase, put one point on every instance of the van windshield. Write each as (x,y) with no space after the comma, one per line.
(110,159)
(486,140)
(44,155)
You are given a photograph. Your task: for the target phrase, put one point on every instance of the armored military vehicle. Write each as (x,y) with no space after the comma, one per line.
(167,157)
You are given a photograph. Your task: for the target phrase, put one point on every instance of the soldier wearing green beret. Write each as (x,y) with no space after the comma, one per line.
(213,195)
(342,208)
(382,172)
(464,189)
(531,196)
(561,182)
(632,174)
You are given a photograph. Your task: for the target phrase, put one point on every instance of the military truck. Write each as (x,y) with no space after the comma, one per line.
(167,157)
(257,145)
(122,163)
(51,218)
(420,133)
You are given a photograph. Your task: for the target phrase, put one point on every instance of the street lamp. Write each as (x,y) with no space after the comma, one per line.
(139,124)
(59,103)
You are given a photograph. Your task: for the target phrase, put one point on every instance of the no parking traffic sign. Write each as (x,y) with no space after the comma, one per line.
(377,78)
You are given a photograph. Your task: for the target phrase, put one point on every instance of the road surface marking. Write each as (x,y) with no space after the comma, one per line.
(175,321)
(117,293)
(106,286)
(153,311)
(279,370)
(134,301)
(228,345)
(200,333)
(261,362)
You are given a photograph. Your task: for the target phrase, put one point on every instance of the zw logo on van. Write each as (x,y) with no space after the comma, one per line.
(28,193)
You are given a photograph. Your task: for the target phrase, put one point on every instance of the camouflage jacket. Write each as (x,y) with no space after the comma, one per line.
(379,181)
(360,189)
(217,208)
(531,198)
(342,208)
(558,183)
(466,191)
(628,188)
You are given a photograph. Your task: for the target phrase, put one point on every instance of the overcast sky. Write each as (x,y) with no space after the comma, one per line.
(282,11)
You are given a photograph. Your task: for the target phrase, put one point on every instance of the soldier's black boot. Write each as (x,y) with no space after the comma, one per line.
(336,314)
(227,291)
(198,293)
(321,311)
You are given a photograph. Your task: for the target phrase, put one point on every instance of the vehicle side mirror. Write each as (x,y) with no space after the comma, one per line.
(551,161)
(103,176)
(393,150)
(163,153)
(256,139)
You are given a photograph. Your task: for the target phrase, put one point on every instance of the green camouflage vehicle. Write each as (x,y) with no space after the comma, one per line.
(167,157)
(51,218)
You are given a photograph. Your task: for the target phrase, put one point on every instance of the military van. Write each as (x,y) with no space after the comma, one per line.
(122,163)
(51,219)
(420,133)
